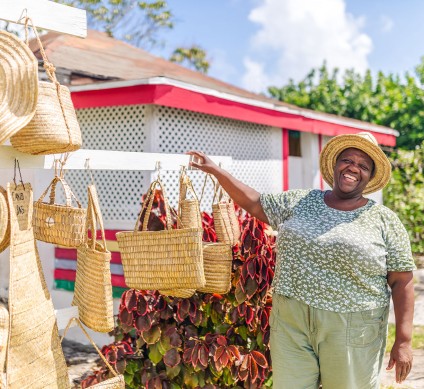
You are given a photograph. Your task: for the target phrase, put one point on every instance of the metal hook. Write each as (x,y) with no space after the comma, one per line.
(24,14)
(17,166)
(158,167)
(87,167)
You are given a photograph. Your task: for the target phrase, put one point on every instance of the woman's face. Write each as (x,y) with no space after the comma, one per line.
(353,170)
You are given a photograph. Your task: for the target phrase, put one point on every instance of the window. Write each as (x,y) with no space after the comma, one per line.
(294,144)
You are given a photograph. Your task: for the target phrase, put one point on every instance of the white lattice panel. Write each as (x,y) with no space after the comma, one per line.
(256,149)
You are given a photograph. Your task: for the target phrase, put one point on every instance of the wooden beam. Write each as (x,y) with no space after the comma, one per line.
(102,160)
(46,15)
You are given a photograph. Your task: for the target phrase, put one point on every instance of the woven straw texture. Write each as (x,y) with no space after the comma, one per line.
(54,129)
(34,356)
(368,144)
(168,259)
(93,285)
(217,262)
(18,85)
(4,336)
(4,221)
(117,382)
(234,221)
(189,217)
(59,224)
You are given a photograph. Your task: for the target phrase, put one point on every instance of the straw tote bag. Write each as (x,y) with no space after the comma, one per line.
(54,128)
(4,221)
(93,286)
(56,223)
(35,358)
(189,217)
(4,335)
(218,264)
(168,259)
(117,382)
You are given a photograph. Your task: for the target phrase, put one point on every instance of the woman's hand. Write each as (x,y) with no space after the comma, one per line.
(401,356)
(203,162)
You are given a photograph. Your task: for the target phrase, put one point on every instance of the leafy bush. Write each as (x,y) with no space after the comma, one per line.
(207,341)
(405,194)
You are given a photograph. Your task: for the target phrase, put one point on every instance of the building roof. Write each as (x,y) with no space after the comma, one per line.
(103,63)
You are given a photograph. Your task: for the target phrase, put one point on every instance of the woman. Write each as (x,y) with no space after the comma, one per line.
(338,253)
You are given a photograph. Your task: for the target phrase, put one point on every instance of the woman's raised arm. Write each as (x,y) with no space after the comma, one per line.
(242,194)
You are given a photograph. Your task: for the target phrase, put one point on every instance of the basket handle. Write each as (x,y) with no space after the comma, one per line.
(78,322)
(94,216)
(148,204)
(215,185)
(68,192)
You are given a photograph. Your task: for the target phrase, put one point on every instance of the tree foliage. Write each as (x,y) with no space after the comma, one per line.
(387,100)
(405,194)
(139,23)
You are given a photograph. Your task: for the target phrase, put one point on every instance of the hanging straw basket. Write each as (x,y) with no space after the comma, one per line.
(189,217)
(168,259)
(56,223)
(4,336)
(116,382)
(54,129)
(4,221)
(93,286)
(217,262)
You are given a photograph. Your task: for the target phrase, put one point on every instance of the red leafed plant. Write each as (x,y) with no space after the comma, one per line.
(208,341)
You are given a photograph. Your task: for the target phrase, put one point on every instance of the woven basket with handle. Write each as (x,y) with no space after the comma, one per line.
(56,223)
(93,286)
(54,128)
(156,260)
(117,381)
(189,217)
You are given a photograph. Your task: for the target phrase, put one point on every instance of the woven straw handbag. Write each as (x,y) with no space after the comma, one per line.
(161,260)
(189,217)
(4,335)
(4,221)
(56,223)
(217,262)
(93,286)
(54,128)
(35,358)
(117,382)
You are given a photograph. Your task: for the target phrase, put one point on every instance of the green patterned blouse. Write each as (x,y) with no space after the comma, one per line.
(335,260)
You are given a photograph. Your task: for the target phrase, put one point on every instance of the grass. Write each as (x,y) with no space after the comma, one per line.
(417,337)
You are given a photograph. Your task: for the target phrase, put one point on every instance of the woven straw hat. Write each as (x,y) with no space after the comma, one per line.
(4,222)
(364,141)
(18,85)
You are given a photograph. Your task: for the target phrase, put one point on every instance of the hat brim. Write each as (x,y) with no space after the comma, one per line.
(18,85)
(329,154)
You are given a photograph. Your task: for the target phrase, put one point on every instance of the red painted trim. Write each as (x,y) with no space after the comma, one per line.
(321,181)
(285,159)
(69,275)
(71,254)
(176,97)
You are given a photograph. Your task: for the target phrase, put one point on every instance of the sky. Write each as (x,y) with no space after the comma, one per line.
(254,44)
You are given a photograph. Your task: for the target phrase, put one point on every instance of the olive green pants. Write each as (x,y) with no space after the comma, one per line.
(310,346)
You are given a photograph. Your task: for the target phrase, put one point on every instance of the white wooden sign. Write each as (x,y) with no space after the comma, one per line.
(102,160)
(46,15)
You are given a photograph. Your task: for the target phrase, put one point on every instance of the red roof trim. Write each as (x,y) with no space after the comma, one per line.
(176,97)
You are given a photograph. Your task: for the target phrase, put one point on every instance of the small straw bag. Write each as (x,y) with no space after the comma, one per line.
(4,221)
(217,262)
(4,335)
(168,259)
(224,217)
(54,128)
(116,382)
(93,286)
(189,217)
(56,223)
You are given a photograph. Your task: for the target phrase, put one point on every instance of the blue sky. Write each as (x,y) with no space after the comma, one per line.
(257,43)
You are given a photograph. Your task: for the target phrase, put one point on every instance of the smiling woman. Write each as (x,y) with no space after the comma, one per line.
(338,256)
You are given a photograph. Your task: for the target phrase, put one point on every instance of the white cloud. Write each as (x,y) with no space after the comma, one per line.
(386,23)
(297,35)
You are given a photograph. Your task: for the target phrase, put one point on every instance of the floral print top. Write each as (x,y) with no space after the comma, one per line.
(331,259)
